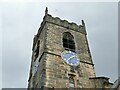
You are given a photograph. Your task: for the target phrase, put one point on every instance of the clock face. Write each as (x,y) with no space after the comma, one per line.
(70,58)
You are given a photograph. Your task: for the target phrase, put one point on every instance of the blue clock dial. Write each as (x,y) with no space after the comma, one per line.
(70,58)
(35,66)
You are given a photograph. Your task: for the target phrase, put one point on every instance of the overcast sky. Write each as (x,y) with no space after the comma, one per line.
(20,22)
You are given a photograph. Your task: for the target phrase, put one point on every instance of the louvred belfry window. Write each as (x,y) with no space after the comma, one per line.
(68,41)
(37,49)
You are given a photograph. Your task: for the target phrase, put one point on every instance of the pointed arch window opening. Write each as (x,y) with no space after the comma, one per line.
(68,41)
(71,83)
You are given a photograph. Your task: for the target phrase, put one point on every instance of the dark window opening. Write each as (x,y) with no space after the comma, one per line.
(72,69)
(37,50)
(68,41)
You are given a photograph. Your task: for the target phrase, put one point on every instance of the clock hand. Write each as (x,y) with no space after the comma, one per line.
(71,57)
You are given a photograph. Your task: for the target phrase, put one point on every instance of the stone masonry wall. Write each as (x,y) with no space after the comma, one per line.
(54,62)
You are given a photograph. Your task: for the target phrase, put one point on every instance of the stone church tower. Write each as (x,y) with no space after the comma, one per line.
(61,57)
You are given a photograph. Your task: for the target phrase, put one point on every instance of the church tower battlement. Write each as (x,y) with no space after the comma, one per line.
(63,23)
(61,57)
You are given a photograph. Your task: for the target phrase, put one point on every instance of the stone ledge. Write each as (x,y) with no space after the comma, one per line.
(102,77)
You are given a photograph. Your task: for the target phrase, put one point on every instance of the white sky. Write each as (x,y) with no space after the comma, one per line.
(21,20)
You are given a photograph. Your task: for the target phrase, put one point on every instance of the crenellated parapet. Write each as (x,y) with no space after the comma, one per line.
(64,23)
